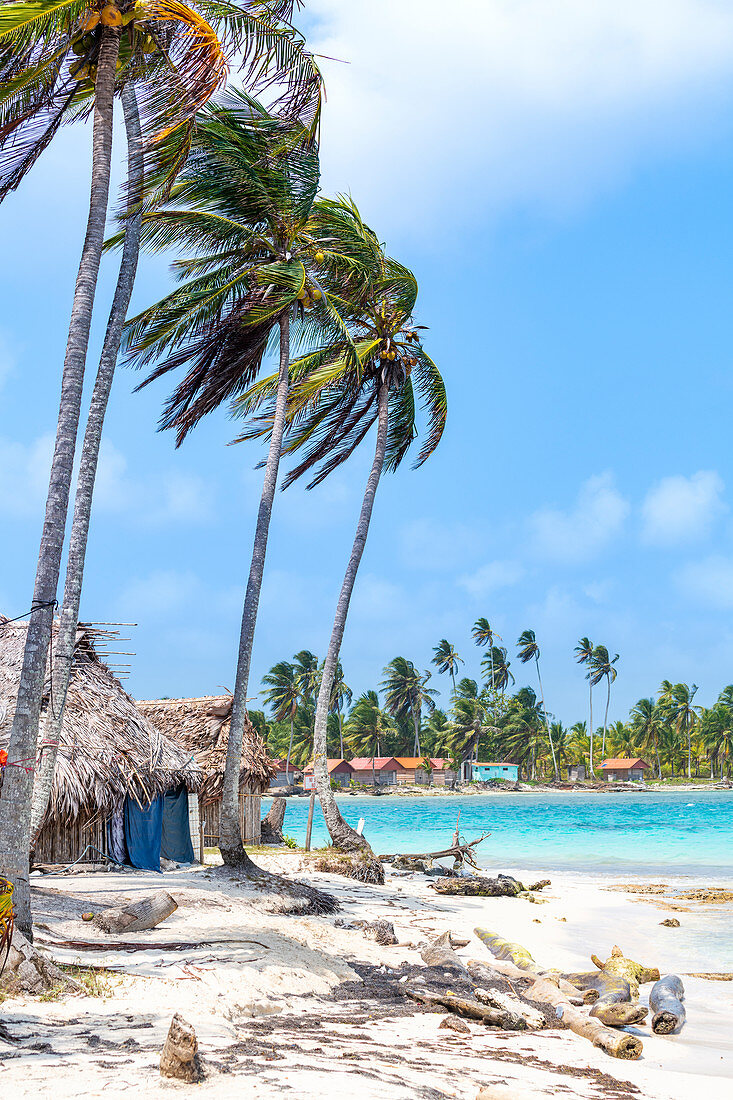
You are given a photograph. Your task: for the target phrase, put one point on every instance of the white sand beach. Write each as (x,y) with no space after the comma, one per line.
(295,1005)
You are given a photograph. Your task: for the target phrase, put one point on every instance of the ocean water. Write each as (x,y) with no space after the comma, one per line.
(676,833)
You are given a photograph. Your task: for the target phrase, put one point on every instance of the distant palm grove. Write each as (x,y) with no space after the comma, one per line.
(489,721)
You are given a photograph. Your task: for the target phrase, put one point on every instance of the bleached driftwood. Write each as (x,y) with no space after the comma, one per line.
(454,850)
(466,1006)
(665,1001)
(617,965)
(137,915)
(515,960)
(179,1057)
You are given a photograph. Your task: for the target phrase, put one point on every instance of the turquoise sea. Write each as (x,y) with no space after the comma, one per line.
(679,833)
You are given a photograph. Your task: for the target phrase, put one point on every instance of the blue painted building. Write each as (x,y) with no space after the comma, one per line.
(503,770)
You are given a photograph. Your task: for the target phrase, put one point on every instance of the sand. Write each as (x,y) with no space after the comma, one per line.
(307,1007)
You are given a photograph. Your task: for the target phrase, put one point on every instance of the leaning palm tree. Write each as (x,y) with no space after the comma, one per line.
(258,261)
(341,696)
(483,635)
(496,668)
(447,659)
(283,693)
(334,404)
(602,665)
(62,60)
(584,656)
(528,650)
(406,694)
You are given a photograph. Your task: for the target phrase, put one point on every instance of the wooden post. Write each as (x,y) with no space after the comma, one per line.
(202,823)
(311,807)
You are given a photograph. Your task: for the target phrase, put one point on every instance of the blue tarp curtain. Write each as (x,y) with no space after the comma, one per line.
(161,829)
(176,840)
(143,829)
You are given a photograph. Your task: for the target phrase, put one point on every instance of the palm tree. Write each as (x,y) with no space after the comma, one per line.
(470,721)
(333,406)
(646,720)
(495,668)
(524,720)
(367,727)
(602,665)
(244,206)
(61,61)
(341,695)
(446,659)
(622,738)
(580,742)
(483,635)
(406,693)
(283,694)
(528,650)
(308,677)
(684,714)
(584,655)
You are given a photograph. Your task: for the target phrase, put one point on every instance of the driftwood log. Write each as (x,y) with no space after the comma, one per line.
(272,823)
(617,965)
(466,1006)
(464,850)
(614,1005)
(180,1055)
(137,915)
(515,961)
(504,886)
(665,1001)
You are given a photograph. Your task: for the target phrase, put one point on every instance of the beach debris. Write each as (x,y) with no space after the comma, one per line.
(361,866)
(138,915)
(543,882)
(496,999)
(713,976)
(614,1005)
(180,1055)
(441,953)
(710,895)
(670,922)
(465,851)
(382,931)
(515,961)
(665,1002)
(617,965)
(455,1023)
(503,886)
(272,823)
(467,1006)
(87,916)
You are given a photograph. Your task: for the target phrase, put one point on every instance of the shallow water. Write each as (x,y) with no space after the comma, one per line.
(645,833)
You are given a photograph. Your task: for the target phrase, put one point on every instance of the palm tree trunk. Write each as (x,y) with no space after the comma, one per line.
(15,800)
(342,835)
(341,735)
(69,618)
(547,721)
(230,838)
(605,717)
(290,751)
(590,698)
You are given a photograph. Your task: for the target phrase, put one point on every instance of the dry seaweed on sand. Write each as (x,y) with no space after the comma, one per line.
(362,866)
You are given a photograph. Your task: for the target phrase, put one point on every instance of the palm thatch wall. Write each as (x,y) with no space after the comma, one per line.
(107,751)
(201,727)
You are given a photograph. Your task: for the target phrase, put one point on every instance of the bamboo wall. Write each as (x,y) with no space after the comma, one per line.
(250,819)
(64,843)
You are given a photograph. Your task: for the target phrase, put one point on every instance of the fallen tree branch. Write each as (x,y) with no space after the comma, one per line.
(454,850)
(135,945)
(465,1006)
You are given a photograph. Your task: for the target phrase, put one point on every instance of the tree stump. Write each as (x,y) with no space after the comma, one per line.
(665,1001)
(137,915)
(180,1055)
(272,823)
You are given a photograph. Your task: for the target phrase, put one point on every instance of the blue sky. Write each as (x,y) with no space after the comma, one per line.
(559,176)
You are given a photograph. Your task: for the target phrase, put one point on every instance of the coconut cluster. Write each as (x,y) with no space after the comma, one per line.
(88,35)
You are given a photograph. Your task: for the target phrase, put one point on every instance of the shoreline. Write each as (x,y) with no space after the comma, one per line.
(300,1005)
(469,790)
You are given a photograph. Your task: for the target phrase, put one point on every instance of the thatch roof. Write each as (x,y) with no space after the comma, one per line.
(107,749)
(201,726)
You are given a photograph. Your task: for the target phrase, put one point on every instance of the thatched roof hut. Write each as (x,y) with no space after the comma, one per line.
(108,750)
(201,727)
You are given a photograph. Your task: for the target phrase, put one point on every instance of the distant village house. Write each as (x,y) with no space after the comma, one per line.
(621,769)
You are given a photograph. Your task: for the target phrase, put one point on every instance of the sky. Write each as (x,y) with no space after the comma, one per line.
(558,174)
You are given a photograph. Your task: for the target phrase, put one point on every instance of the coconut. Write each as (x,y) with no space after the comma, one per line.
(319,257)
(111,16)
(92,20)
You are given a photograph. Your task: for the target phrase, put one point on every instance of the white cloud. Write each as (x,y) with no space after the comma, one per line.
(488,578)
(166,496)
(535,102)
(429,544)
(578,534)
(709,581)
(24,470)
(682,509)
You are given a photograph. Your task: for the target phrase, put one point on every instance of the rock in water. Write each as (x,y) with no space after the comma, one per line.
(670,922)
(180,1055)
